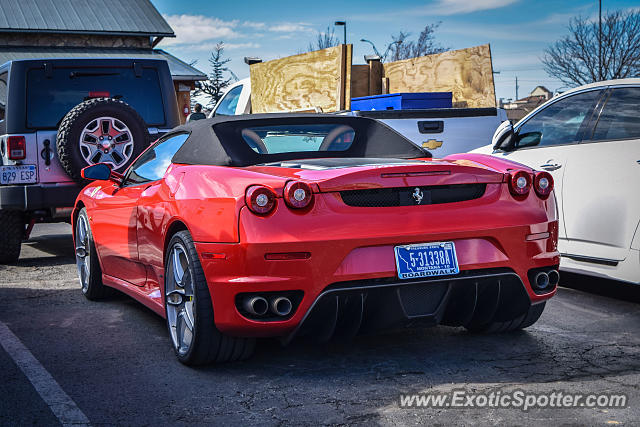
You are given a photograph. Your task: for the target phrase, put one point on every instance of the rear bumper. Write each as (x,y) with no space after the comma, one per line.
(475,297)
(358,277)
(38,196)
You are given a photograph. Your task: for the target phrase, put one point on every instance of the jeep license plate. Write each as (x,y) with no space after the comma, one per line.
(22,174)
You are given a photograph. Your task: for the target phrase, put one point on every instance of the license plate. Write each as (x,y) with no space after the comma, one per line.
(23,174)
(426,260)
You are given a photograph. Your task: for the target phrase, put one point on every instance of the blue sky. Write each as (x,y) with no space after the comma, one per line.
(518,30)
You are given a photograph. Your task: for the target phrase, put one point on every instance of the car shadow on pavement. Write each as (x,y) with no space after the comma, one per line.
(58,245)
(603,287)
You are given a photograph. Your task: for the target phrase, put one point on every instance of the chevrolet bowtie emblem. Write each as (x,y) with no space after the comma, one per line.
(432,144)
(417,195)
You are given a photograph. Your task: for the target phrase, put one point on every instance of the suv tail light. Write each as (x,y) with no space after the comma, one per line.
(298,195)
(260,199)
(16,147)
(543,184)
(520,183)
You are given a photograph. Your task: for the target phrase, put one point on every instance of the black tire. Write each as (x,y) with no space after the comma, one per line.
(208,343)
(11,234)
(524,321)
(80,116)
(94,289)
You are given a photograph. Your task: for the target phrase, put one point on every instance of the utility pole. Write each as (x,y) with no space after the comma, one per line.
(600,42)
(517,88)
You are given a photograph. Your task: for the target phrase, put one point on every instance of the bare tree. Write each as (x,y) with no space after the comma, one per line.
(215,85)
(403,48)
(324,40)
(574,58)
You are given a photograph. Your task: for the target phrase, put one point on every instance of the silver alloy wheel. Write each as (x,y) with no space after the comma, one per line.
(83,252)
(180,298)
(106,140)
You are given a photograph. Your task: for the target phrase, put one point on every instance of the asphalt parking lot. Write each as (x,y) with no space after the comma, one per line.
(113,360)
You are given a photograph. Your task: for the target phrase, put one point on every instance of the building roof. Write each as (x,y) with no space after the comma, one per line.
(541,87)
(180,70)
(122,17)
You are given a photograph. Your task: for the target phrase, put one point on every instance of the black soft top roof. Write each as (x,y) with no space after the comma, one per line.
(218,141)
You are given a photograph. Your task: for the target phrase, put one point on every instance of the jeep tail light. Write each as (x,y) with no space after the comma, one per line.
(260,199)
(520,183)
(543,184)
(298,195)
(16,147)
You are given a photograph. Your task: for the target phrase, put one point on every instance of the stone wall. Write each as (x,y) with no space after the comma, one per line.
(73,40)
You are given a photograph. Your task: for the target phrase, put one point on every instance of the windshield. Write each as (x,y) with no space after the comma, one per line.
(298,138)
(49,98)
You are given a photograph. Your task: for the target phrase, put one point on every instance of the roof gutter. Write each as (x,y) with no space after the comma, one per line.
(85,32)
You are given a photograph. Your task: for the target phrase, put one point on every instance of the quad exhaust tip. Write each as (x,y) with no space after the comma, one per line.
(256,305)
(281,306)
(259,306)
(541,280)
(554,277)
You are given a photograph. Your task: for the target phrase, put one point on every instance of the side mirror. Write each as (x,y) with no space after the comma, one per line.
(99,171)
(503,138)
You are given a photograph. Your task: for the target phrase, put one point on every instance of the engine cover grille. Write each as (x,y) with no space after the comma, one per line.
(412,196)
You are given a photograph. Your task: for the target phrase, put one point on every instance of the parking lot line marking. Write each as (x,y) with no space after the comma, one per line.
(49,390)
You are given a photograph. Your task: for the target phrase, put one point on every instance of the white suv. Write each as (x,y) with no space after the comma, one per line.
(589,140)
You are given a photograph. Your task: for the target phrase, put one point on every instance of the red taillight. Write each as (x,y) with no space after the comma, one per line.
(520,183)
(16,147)
(298,195)
(260,199)
(543,184)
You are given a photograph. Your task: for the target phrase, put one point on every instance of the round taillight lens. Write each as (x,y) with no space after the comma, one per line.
(298,195)
(543,184)
(260,199)
(520,183)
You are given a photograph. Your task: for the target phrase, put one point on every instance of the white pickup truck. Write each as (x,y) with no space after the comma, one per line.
(442,131)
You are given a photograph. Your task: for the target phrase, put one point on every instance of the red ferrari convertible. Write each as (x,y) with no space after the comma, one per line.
(327,226)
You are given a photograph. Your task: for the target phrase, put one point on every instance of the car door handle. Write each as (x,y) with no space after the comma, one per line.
(551,166)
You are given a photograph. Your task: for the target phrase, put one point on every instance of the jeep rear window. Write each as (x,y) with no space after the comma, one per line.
(49,99)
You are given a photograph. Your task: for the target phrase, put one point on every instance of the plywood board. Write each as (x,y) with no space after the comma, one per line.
(384,84)
(345,84)
(467,73)
(307,81)
(359,80)
(375,77)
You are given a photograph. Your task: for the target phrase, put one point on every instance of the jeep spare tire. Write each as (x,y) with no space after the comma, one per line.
(100,130)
